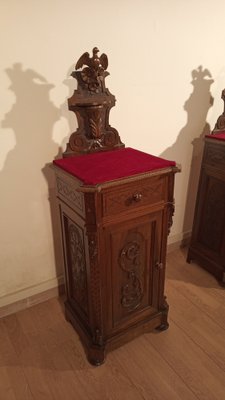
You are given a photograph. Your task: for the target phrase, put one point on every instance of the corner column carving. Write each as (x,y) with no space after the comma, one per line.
(95,276)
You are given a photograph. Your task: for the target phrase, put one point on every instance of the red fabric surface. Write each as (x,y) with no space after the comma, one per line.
(217,136)
(110,165)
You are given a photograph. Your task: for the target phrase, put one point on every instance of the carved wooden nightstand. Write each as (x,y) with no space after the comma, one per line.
(116,206)
(208,235)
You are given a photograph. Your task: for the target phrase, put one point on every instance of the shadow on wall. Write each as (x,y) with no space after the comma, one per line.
(71,85)
(197,107)
(25,222)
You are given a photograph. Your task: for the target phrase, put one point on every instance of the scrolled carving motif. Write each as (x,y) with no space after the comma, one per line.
(78,142)
(130,256)
(111,138)
(129,261)
(132,292)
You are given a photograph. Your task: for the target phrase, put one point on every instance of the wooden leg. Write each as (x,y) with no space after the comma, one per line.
(95,355)
(163,327)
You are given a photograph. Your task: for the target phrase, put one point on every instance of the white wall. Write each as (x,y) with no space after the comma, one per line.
(153,46)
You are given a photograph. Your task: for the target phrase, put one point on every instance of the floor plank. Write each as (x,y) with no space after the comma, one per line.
(204,378)
(41,357)
(12,379)
(150,373)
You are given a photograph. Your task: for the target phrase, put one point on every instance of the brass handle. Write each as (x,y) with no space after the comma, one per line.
(137,197)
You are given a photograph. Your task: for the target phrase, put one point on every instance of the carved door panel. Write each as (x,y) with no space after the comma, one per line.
(133,287)
(210,232)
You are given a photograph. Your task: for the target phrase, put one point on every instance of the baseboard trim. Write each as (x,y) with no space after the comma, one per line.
(26,298)
(178,241)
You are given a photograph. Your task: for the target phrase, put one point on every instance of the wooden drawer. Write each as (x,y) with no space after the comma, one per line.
(135,194)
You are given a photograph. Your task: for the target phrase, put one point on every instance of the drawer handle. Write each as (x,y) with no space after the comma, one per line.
(137,197)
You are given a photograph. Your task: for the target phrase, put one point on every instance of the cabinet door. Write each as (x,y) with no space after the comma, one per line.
(133,251)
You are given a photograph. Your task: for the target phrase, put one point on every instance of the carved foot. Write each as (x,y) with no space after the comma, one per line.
(96,356)
(163,327)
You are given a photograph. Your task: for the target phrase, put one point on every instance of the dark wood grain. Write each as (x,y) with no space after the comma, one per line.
(115,263)
(208,235)
(114,234)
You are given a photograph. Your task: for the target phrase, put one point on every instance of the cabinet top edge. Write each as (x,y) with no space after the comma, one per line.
(117,182)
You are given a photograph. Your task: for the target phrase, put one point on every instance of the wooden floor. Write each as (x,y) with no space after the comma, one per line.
(41,356)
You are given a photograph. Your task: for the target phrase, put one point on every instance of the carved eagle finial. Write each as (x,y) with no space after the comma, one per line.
(93,73)
(96,63)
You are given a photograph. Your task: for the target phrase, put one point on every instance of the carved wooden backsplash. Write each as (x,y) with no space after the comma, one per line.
(91,102)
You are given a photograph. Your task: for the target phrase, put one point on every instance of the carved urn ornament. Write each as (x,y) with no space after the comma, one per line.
(91,103)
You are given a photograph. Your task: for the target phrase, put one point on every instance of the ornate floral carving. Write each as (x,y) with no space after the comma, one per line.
(129,261)
(78,266)
(95,122)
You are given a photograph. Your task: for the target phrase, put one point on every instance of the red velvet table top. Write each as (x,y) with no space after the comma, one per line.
(217,136)
(96,168)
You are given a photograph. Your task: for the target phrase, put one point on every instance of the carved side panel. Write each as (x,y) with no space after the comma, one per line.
(76,264)
(213,215)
